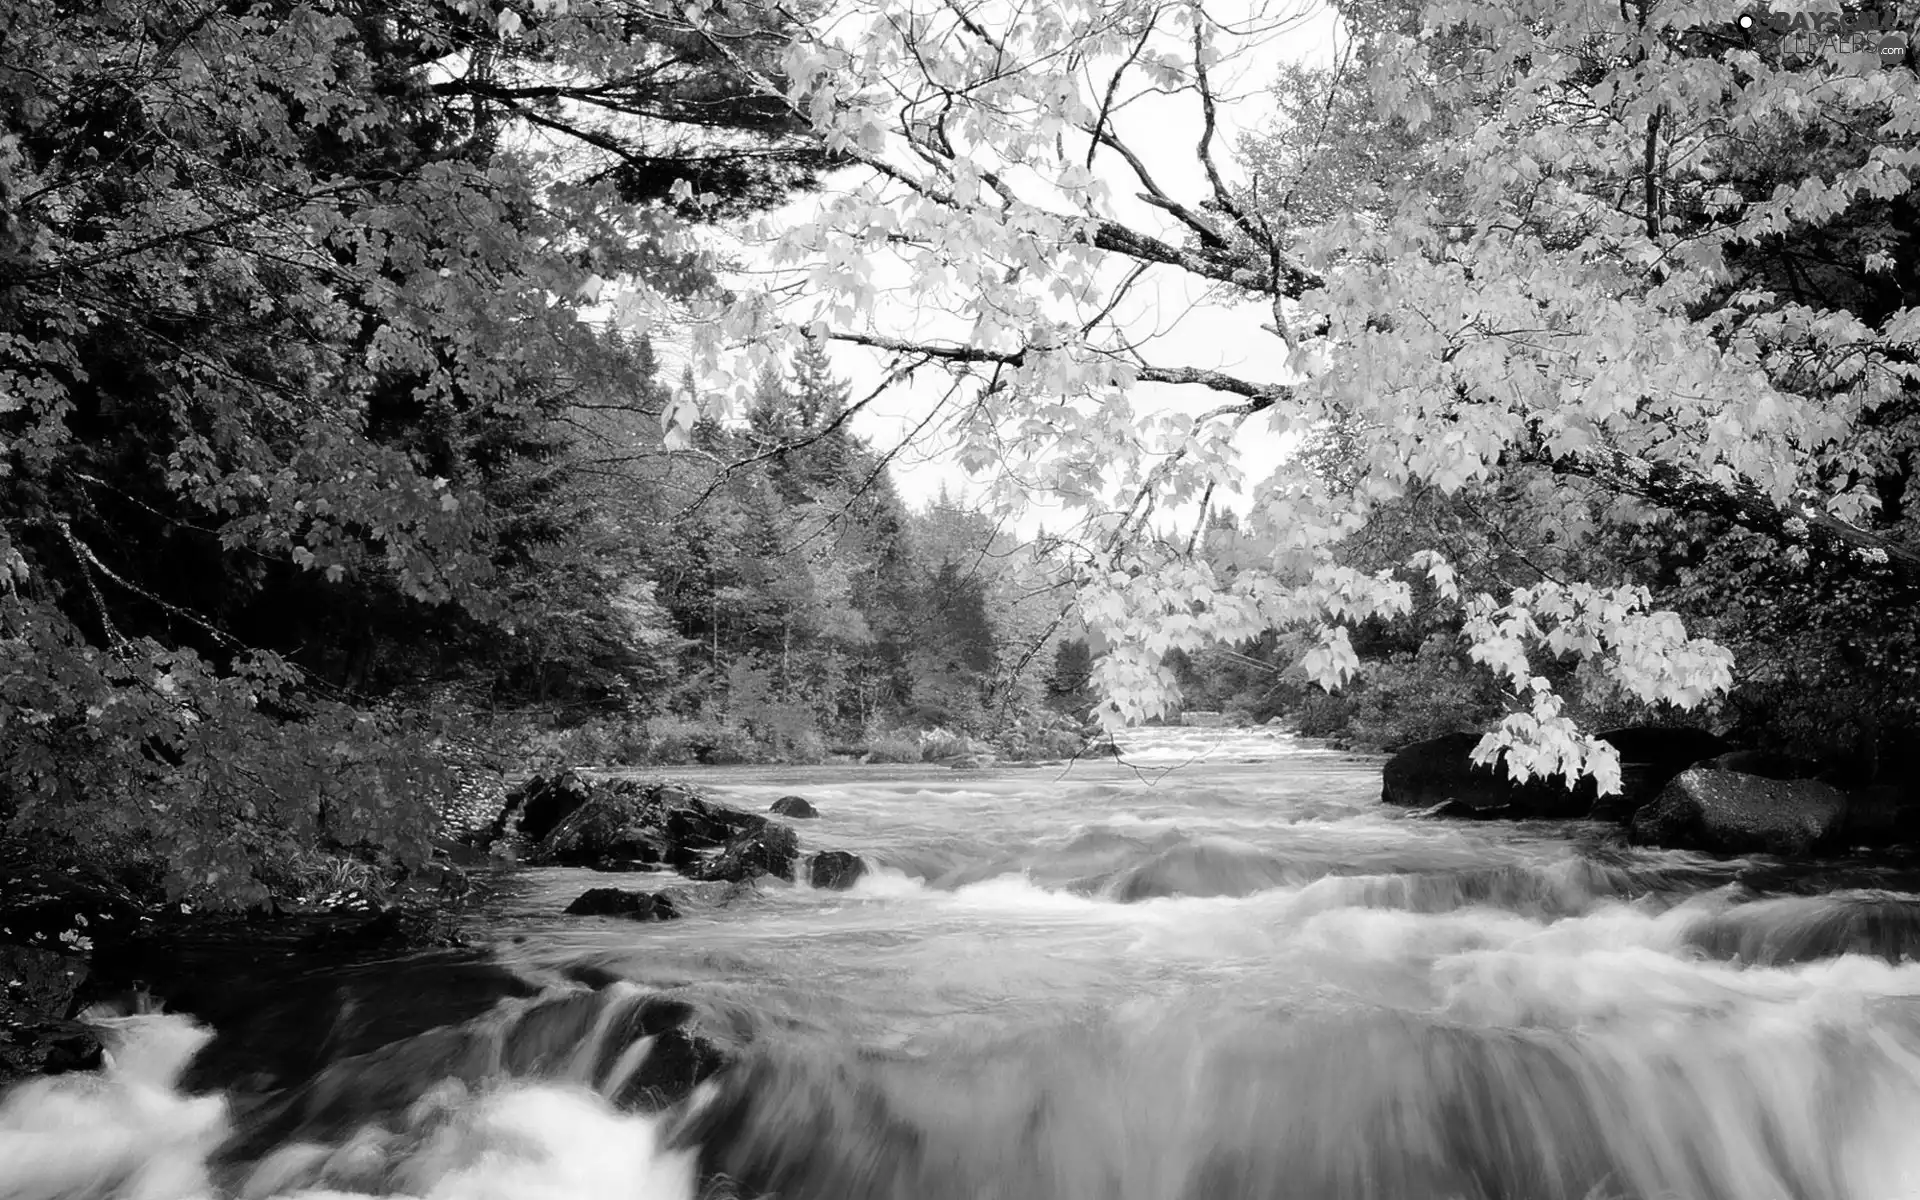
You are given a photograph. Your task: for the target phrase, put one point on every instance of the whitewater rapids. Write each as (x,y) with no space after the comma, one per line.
(1218,970)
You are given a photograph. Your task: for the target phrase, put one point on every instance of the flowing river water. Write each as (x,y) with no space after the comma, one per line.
(1218,970)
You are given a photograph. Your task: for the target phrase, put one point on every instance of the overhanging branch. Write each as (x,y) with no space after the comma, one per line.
(1821,534)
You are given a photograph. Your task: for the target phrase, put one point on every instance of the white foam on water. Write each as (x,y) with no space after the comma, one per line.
(127,1132)
(517,1142)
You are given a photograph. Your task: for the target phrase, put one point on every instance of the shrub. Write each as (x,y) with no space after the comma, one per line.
(893,748)
(679,741)
(938,743)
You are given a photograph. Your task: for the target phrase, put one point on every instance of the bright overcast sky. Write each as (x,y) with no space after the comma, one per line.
(1165,131)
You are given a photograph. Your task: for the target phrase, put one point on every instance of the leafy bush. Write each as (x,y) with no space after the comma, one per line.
(938,743)
(680,741)
(893,748)
(1039,733)
(805,747)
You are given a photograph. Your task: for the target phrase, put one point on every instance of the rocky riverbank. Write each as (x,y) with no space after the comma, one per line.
(1683,789)
(71,941)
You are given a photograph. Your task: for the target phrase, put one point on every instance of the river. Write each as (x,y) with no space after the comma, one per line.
(1220,969)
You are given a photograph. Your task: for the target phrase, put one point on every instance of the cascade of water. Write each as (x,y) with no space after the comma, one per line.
(1240,982)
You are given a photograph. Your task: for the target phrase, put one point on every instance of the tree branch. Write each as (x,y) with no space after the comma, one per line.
(1262,395)
(1673,487)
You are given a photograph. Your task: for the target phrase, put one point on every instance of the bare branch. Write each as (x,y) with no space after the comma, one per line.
(1221,195)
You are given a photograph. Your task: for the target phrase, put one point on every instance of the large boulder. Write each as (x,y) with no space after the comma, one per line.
(1726,812)
(1768,764)
(1650,757)
(772,849)
(621,902)
(1441,772)
(50,923)
(634,825)
(835,870)
(534,808)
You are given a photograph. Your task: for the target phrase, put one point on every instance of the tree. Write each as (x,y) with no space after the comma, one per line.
(290,351)
(1586,279)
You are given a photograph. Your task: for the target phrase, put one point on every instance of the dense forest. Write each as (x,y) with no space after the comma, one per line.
(764,595)
(320,495)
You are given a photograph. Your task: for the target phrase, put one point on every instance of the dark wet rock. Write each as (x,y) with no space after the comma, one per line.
(585,1036)
(64,912)
(1441,771)
(1650,757)
(835,870)
(394,928)
(1881,815)
(45,1047)
(281,1012)
(535,807)
(621,902)
(37,988)
(51,922)
(1768,764)
(1725,812)
(797,807)
(772,849)
(39,982)
(635,825)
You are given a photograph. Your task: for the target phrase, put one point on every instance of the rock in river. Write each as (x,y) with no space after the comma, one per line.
(1441,771)
(794,806)
(1725,812)
(631,824)
(835,870)
(623,902)
(768,850)
(535,807)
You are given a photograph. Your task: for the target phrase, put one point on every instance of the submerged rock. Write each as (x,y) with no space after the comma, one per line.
(1797,929)
(793,806)
(1726,812)
(1204,867)
(622,902)
(835,870)
(637,1049)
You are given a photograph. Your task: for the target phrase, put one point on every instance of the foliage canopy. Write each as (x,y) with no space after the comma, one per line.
(1617,260)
